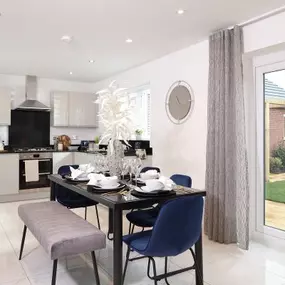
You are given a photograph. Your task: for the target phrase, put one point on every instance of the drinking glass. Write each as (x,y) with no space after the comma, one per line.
(137,164)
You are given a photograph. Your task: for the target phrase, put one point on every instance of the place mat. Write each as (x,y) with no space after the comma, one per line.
(153,194)
(100,190)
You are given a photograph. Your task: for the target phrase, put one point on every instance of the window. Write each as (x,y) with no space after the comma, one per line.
(140,101)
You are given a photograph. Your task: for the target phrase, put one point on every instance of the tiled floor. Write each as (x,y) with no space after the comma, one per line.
(223,265)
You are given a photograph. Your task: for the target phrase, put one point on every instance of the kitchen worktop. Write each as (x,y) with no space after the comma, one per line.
(127,153)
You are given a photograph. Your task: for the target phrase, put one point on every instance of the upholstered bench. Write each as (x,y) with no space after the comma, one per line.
(60,232)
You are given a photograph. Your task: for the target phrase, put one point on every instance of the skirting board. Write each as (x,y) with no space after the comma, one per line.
(24,195)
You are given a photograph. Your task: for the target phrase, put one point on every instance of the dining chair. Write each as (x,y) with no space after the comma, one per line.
(146,218)
(176,230)
(144,169)
(71,199)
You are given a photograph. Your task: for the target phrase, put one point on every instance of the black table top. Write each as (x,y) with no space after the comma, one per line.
(122,201)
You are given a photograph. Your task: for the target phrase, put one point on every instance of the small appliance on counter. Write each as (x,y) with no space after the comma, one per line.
(84,145)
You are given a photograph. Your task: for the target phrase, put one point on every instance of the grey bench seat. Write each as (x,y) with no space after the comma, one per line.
(60,232)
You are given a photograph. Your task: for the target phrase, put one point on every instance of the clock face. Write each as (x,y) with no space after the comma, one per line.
(179,102)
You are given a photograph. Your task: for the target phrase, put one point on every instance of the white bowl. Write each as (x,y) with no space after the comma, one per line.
(154,184)
(109,181)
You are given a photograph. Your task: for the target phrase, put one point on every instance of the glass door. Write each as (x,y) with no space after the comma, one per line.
(270,99)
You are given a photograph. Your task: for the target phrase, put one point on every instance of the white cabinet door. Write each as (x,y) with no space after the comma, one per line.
(83,158)
(60,159)
(90,110)
(60,109)
(5,106)
(9,174)
(82,110)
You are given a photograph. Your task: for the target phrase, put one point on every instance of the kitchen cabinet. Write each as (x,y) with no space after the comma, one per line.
(5,106)
(9,174)
(61,158)
(60,109)
(74,109)
(84,158)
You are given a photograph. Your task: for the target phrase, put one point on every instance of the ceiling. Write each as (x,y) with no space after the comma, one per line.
(31,31)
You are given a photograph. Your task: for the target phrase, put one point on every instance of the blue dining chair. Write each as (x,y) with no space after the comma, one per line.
(146,218)
(176,230)
(71,199)
(144,169)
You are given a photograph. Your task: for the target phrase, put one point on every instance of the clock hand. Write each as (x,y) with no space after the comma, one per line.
(178,100)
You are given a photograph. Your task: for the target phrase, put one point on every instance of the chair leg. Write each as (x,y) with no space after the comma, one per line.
(95,267)
(53,280)
(23,241)
(133,228)
(197,268)
(154,270)
(97,215)
(130,228)
(165,270)
(85,216)
(126,263)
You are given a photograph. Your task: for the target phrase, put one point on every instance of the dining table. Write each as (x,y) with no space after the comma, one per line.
(117,202)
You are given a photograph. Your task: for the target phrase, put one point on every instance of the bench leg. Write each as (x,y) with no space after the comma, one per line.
(53,280)
(95,268)
(23,241)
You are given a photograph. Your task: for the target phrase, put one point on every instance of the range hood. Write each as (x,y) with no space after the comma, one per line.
(31,102)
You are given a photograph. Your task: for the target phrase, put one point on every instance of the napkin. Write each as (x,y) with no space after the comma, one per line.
(76,173)
(167,182)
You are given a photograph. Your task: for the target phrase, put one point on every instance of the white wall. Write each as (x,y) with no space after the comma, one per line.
(183,148)
(265,33)
(177,149)
(45,86)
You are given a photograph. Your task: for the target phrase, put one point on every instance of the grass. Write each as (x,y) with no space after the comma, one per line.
(275,191)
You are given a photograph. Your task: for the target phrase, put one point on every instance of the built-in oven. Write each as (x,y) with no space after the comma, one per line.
(44,169)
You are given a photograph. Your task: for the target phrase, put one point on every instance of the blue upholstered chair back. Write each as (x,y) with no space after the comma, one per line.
(177,228)
(61,192)
(182,180)
(145,169)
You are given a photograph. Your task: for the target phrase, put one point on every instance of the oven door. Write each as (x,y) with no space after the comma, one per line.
(45,169)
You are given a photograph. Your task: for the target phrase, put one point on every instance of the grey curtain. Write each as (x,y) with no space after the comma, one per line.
(227,202)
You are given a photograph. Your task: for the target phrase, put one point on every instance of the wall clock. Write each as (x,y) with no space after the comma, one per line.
(179,102)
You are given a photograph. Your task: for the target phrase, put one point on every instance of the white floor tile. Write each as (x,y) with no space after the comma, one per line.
(223,264)
(24,281)
(10,267)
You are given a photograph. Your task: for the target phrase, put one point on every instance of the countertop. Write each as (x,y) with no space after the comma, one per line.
(127,153)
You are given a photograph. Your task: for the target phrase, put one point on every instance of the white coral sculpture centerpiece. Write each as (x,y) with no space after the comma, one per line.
(115,114)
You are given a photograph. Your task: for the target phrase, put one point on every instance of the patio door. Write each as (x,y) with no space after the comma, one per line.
(270,142)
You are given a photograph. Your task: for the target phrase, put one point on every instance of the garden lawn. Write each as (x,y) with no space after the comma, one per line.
(275,191)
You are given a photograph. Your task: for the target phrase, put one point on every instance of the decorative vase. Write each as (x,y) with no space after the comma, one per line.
(138,137)
(115,154)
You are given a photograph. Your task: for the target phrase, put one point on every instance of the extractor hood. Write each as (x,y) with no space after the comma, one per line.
(31,102)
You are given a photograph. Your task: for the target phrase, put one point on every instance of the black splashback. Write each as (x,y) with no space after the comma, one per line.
(29,129)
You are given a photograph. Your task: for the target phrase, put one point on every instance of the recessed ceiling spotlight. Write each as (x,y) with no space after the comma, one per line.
(67,39)
(70,72)
(180,12)
(91,60)
(128,41)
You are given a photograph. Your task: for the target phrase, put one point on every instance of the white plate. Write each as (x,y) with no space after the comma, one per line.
(109,187)
(145,189)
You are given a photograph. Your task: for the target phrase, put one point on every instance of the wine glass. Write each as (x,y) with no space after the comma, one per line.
(137,164)
(124,166)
